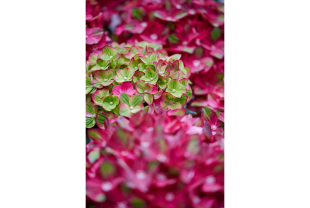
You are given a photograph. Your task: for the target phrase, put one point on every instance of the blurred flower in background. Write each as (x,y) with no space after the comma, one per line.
(155,161)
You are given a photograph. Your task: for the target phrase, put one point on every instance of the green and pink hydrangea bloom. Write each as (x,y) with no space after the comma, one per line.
(125,79)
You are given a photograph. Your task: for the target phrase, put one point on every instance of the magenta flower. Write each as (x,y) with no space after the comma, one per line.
(125,87)
(147,161)
(154,33)
(93,35)
(212,121)
(195,30)
(172,15)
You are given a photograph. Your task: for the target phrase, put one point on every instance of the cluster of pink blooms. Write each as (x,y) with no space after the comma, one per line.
(96,37)
(164,60)
(156,161)
(194,29)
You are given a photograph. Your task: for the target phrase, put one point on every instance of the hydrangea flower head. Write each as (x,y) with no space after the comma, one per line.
(125,79)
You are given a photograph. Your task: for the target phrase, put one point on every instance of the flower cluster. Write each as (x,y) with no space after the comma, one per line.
(195,29)
(154,161)
(96,37)
(124,79)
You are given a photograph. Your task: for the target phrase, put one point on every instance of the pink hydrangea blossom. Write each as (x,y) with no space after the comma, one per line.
(142,160)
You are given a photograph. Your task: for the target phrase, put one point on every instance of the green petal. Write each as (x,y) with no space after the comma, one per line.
(135,100)
(98,95)
(150,76)
(93,155)
(90,122)
(173,39)
(175,88)
(149,58)
(89,87)
(110,102)
(140,86)
(91,109)
(92,58)
(108,53)
(106,169)
(124,98)
(148,98)
(134,65)
(124,110)
(102,120)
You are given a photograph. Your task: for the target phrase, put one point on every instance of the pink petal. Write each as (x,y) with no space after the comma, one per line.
(126,87)
(116,90)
